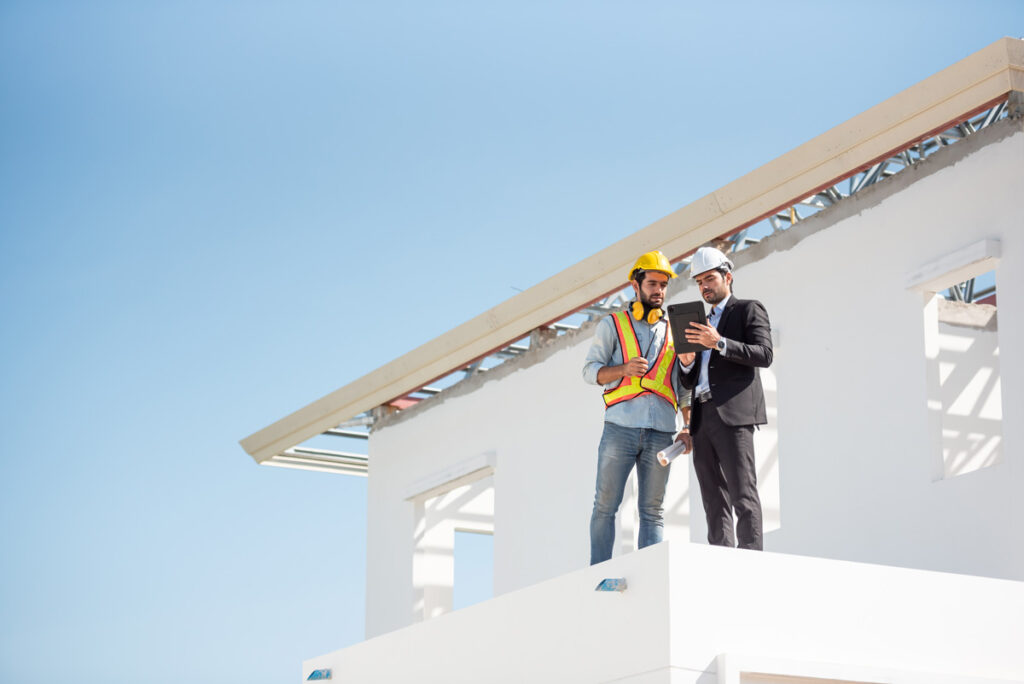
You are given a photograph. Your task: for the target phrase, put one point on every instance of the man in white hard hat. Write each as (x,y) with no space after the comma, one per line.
(633,357)
(727,401)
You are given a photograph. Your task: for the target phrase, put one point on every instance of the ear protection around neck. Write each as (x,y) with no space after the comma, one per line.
(641,312)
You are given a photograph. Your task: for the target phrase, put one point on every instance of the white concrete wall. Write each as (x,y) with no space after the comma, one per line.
(858,443)
(694,614)
(848,462)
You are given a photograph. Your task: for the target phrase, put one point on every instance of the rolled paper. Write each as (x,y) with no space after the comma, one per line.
(666,456)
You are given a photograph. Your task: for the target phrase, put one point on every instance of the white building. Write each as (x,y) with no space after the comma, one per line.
(886,444)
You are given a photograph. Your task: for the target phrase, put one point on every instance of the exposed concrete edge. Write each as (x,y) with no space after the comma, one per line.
(874,195)
(535,355)
(779,241)
(964,315)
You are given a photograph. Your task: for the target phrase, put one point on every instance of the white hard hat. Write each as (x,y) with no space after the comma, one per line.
(708,259)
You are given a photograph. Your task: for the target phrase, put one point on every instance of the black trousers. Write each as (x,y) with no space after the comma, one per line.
(723,456)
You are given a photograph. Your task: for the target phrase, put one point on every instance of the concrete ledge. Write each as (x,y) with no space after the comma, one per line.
(965,263)
(465,472)
(745,669)
(692,610)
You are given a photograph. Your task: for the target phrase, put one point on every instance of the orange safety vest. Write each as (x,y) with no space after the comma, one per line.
(656,381)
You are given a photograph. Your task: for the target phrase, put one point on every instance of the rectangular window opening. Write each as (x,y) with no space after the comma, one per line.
(965,397)
(453,539)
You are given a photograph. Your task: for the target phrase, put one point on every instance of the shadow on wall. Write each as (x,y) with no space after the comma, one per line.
(965,394)
(970,395)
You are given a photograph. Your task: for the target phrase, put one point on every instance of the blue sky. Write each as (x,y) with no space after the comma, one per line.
(213,213)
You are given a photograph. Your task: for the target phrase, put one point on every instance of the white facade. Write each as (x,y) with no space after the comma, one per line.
(885,441)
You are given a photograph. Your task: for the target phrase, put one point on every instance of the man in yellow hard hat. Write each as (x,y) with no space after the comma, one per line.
(633,358)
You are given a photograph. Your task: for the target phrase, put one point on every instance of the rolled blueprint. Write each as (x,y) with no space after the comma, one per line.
(666,456)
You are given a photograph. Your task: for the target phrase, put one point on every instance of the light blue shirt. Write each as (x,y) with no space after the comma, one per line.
(714,316)
(647,410)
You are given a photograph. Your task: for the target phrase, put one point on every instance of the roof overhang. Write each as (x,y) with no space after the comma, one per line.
(955,93)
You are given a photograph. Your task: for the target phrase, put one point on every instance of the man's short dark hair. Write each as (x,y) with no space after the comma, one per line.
(723,270)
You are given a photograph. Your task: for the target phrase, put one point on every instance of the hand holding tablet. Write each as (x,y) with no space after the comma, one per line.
(680,316)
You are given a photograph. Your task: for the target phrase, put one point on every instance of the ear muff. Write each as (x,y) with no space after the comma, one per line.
(640,312)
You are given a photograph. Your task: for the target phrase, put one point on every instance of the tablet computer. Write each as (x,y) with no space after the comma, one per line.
(679,317)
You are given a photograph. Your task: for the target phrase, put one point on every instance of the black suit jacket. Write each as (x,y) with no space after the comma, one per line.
(733,376)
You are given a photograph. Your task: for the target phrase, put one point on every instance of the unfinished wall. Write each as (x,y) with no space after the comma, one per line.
(852,464)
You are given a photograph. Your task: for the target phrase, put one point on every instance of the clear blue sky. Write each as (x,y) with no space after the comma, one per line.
(213,213)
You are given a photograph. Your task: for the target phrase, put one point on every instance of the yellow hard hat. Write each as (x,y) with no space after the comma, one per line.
(652,261)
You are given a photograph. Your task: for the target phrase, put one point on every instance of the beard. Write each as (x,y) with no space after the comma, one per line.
(648,304)
(713,297)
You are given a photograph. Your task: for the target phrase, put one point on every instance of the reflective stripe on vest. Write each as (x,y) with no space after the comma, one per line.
(657,380)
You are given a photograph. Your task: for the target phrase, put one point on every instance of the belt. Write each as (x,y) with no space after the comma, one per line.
(704,396)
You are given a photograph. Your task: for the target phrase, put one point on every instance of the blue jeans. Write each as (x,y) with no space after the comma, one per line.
(622,448)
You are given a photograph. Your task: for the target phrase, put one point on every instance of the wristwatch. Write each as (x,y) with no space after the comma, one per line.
(720,345)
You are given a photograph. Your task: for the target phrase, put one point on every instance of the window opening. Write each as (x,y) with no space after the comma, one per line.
(965,393)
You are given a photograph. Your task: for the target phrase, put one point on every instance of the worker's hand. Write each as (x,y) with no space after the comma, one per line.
(705,335)
(635,367)
(686,359)
(685,438)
